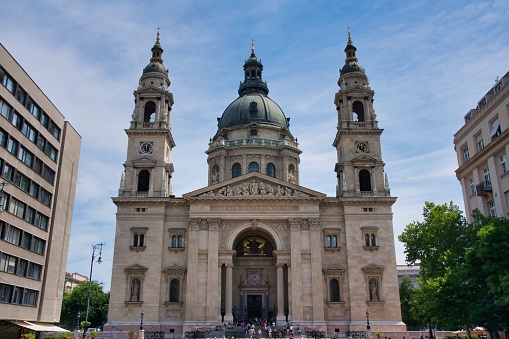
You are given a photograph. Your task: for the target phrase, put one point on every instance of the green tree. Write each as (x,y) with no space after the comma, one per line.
(439,244)
(76,301)
(409,306)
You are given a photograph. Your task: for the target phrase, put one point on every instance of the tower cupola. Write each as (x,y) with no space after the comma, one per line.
(351,61)
(156,61)
(253,76)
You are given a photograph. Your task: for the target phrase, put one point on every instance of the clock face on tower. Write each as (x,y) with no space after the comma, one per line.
(146,147)
(362,147)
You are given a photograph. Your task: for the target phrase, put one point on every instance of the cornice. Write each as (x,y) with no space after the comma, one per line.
(359,201)
(148,201)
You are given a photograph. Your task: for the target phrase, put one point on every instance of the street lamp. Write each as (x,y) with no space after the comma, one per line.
(367,320)
(78,322)
(141,324)
(368,332)
(99,260)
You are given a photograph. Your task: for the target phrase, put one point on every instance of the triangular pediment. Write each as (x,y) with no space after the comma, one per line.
(372,268)
(364,158)
(144,161)
(175,268)
(136,268)
(333,268)
(254,185)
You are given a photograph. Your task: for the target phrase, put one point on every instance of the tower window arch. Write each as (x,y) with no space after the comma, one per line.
(143,181)
(364,180)
(174,290)
(271,170)
(253,167)
(149,114)
(236,170)
(358,109)
(334,290)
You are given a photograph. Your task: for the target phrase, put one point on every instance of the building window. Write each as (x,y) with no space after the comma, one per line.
(7,81)
(493,210)
(503,164)
(5,109)
(479,141)
(5,293)
(271,170)
(8,263)
(495,129)
(34,271)
(253,132)
(143,181)
(30,297)
(466,154)
(150,112)
(138,238)
(176,239)
(253,167)
(334,290)
(472,186)
(331,240)
(370,237)
(487,178)
(174,290)
(236,170)
(364,180)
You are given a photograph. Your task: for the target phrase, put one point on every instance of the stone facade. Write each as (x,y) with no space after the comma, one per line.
(254,243)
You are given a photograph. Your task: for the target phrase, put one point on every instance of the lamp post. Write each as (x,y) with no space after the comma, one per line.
(141,324)
(368,332)
(99,260)
(78,322)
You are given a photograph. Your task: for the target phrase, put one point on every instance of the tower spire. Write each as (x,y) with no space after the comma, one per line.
(157,50)
(253,82)
(252,46)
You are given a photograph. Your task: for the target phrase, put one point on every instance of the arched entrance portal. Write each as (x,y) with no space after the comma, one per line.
(254,277)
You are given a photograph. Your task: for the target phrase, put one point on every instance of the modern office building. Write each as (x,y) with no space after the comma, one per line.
(39,154)
(411,272)
(482,146)
(254,243)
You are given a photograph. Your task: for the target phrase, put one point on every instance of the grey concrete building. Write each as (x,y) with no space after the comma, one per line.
(254,242)
(39,154)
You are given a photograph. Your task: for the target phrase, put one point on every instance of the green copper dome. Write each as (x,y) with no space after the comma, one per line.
(253,105)
(253,108)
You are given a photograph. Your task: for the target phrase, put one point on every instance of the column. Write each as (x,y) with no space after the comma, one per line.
(192,271)
(228,317)
(280,318)
(223,174)
(219,282)
(296,274)
(316,271)
(213,293)
(244,164)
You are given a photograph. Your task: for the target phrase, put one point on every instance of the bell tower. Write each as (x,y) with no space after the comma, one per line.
(148,167)
(360,169)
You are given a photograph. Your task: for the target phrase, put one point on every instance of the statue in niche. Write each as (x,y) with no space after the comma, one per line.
(373,290)
(291,177)
(135,290)
(215,177)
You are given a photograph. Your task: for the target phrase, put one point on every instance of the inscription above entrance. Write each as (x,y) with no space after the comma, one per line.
(243,208)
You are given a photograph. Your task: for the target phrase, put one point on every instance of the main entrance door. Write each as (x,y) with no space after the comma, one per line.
(254,306)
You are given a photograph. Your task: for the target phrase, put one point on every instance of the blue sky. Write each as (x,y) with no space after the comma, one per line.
(429,62)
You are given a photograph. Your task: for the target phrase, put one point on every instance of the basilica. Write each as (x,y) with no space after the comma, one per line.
(254,243)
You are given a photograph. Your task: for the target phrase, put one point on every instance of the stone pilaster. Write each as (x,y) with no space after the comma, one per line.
(192,270)
(296,273)
(229,291)
(213,293)
(316,270)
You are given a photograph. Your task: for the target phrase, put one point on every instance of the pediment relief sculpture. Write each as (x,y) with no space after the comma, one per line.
(254,188)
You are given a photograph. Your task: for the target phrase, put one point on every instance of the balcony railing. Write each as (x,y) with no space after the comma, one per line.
(253,142)
(483,188)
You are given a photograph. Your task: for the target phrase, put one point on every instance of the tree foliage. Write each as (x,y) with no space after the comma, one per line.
(76,301)
(407,293)
(464,276)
